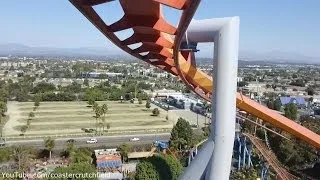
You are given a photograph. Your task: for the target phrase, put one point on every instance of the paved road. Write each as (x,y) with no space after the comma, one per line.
(102,141)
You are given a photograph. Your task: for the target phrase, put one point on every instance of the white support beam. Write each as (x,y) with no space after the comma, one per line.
(224,32)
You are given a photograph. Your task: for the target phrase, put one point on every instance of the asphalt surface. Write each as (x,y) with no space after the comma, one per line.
(109,141)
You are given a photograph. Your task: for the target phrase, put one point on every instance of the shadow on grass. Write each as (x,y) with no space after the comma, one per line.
(154,115)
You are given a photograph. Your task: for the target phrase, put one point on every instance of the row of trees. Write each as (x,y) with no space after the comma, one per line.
(31,115)
(100,116)
(274,104)
(24,88)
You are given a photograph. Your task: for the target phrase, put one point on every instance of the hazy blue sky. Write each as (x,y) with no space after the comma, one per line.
(266,25)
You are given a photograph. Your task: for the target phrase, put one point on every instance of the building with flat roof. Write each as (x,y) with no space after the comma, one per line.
(108,160)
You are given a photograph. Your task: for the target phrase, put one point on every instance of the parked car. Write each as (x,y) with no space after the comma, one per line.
(92,141)
(134,139)
(71,141)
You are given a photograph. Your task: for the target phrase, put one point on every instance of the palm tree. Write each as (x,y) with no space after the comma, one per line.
(104,109)
(49,145)
(98,113)
(100,125)
(95,106)
(124,151)
(103,119)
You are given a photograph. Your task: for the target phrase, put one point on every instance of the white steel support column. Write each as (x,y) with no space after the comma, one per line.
(224,106)
(214,159)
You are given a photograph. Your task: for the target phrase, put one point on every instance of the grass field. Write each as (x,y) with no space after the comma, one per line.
(70,117)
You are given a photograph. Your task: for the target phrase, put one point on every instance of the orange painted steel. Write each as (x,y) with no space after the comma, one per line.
(162,40)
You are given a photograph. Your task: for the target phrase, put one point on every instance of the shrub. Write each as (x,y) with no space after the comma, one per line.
(155,112)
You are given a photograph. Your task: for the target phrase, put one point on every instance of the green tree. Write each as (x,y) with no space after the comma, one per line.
(108,126)
(82,155)
(124,151)
(98,113)
(270,104)
(37,103)
(21,155)
(277,104)
(100,126)
(49,144)
(31,115)
(268,86)
(76,168)
(155,112)
(104,109)
(102,76)
(91,101)
(182,130)
(6,154)
(103,121)
(245,174)
(274,104)
(148,105)
(94,95)
(181,143)
(69,149)
(23,129)
(310,91)
(86,82)
(140,100)
(242,84)
(310,99)
(43,87)
(95,106)
(3,108)
(159,167)
(291,111)
(294,76)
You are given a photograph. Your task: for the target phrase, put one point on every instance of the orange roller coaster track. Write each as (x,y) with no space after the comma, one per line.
(161,41)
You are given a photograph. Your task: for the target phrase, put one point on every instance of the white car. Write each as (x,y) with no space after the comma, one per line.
(91,141)
(135,139)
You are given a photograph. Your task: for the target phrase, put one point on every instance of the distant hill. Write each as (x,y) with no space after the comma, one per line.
(103,52)
(23,50)
(277,56)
